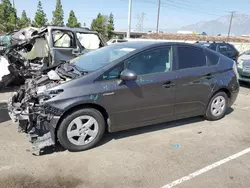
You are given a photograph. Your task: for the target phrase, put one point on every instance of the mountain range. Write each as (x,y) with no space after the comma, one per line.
(240,25)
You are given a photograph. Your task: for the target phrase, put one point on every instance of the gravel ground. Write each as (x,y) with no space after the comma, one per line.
(146,157)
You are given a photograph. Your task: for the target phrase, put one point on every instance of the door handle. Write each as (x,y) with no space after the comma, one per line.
(209,76)
(168,84)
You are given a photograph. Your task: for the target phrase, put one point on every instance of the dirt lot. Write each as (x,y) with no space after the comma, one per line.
(152,156)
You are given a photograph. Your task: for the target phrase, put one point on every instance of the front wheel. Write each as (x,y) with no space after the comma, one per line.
(217,107)
(81,130)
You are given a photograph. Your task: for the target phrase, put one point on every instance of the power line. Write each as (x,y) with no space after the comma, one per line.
(178,6)
(188,8)
(191,5)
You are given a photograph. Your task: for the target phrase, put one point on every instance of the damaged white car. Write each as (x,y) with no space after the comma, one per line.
(35,51)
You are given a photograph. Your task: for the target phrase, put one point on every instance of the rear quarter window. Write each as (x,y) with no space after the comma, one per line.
(212,57)
(190,57)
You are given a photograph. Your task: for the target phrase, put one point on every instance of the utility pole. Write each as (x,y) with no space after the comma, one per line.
(129,18)
(158,16)
(13,4)
(230,25)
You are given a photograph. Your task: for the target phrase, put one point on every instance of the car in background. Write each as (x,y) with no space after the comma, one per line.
(224,48)
(243,66)
(124,86)
(114,41)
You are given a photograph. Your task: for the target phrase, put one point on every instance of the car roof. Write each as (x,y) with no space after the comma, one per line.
(75,29)
(145,44)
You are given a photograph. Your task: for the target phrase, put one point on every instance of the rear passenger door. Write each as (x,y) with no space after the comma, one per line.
(194,81)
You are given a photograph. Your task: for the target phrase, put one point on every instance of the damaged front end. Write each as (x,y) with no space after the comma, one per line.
(27,53)
(29,109)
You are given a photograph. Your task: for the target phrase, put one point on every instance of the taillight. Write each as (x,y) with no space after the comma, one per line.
(236,59)
(235,70)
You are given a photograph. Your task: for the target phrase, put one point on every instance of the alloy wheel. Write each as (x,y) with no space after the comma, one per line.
(82,130)
(218,106)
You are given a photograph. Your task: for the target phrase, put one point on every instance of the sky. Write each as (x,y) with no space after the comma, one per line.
(173,14)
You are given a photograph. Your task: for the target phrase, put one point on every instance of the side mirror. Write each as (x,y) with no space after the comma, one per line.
(128,75)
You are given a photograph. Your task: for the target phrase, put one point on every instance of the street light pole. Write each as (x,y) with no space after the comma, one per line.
(230,25)
(129,18)
(158,16)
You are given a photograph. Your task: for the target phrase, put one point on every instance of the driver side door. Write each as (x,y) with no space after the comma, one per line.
(149,99)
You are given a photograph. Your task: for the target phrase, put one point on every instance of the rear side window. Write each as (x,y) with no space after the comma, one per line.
(191,57)
(224,48)
(213,47)
(213,58)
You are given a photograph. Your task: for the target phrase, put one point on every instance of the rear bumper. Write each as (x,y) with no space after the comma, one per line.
(234,95)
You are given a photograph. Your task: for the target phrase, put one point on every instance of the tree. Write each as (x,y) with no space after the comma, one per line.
(58,15)
(8,16)
(110,27)
(99,24)
(72,21)
(24,21)
(40,17)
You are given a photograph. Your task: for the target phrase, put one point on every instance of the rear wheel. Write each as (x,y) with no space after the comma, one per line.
(217,107)
(81,130)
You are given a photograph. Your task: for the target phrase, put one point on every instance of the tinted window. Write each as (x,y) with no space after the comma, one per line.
(213,47)
(63,39)
(212,57)
(191,57)
(158,60)
(223,48)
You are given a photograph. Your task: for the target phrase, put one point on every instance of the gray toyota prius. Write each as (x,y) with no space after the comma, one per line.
(124,86)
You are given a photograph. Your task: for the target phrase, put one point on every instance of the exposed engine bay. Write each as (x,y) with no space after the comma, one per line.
(27,105)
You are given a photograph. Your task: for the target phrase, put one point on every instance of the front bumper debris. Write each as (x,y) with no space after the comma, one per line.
(32,120)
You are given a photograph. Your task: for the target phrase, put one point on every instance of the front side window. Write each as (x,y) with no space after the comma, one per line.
(191,57)
(114,73)
(63,39)
(154,61)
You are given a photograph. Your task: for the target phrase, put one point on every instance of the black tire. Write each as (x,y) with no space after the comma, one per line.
(209,115)
(62,130)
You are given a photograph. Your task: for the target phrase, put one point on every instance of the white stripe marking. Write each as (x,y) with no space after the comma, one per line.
(246,108)
(3,101)
(8,167)
(203,170)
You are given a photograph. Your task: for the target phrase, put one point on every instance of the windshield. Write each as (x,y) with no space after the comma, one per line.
(97,59)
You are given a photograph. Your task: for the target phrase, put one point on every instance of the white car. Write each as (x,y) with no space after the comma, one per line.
(244,56)
(113,41)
